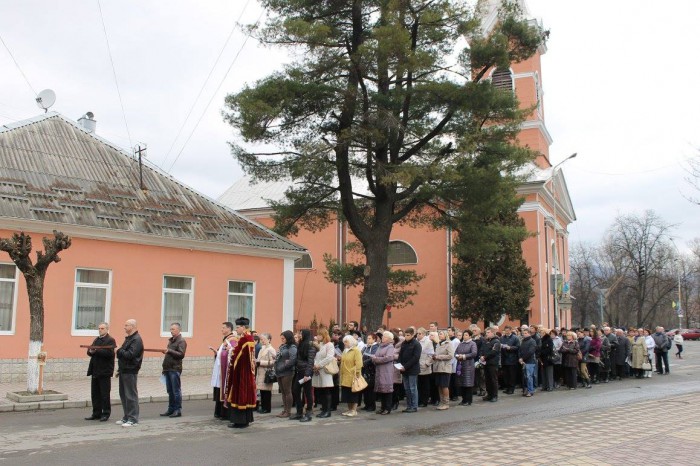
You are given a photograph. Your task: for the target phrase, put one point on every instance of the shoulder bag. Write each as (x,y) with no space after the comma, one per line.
(332,367)
(358,383)
(270,374)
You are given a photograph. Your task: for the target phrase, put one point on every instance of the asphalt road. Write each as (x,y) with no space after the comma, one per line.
(62,437)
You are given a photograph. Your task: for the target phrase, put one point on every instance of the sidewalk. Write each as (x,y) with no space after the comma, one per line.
(196,387)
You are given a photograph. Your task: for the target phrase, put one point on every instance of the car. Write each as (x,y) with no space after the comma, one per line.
(686,333)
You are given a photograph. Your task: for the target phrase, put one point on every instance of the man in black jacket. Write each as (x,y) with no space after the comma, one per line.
(172,368)
(509,359)
(101,369)
(491,358)
(409,357)
(130,356)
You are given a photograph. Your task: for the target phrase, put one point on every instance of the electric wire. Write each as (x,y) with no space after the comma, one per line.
(17,65)
(206,80)
(114,71)
(214,94)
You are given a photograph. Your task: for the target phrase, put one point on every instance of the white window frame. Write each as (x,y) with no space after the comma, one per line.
(190,314)
(228,293)
(108,301)
(15,280)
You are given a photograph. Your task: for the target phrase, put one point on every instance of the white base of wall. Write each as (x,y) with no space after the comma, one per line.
(15,370)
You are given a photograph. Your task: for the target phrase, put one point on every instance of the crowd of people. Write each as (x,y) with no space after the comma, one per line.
(377,371)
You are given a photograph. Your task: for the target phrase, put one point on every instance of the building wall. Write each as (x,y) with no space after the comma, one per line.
(136,292)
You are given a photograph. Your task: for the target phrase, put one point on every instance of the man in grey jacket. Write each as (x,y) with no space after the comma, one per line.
(661,350)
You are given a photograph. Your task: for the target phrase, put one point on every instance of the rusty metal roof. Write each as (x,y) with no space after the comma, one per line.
(53,170)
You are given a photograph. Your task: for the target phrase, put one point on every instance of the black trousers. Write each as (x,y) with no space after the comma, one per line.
(434,393)
(370,397)
(324,396)
(570,376)
(266,400)
(302,393)
(467,394)
(386,400)
(491,376)
(454,389)
(662,358)
(219,409)
(335,393)
(510,374)
(398,394)
(423,389)
(100,388)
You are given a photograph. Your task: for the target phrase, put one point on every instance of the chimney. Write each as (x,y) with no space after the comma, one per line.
(87,123)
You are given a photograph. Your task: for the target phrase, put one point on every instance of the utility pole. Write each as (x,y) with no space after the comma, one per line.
(555,290)
(139,150)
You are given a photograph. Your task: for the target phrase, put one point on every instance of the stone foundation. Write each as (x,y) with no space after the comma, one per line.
(15,370)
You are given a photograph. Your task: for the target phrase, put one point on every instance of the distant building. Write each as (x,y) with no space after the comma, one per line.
(428,251)
(162,254)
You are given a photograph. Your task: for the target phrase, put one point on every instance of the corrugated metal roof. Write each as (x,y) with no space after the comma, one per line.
(53,170)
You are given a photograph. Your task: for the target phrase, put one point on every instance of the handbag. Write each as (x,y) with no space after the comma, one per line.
(646,365)
(358,383)
(332,367)
(270,376)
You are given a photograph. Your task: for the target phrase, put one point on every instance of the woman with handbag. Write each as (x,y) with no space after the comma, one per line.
(570,359)
(265,363)
(325,366)
(351,381)
(466,354)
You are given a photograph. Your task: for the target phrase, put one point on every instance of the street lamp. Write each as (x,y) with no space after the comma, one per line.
(679,311)
(556,256)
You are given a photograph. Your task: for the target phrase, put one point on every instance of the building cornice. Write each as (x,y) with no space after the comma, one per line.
(539,125)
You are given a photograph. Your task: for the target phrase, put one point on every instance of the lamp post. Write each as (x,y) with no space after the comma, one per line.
(679,310)
(554,225)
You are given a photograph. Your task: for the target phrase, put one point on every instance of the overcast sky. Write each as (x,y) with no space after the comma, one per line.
(620,83)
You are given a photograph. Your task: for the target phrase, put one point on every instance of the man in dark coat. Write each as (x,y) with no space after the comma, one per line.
(409,358)
(621,354)
(130,357)
(491,358)
(610,360)
(509,359)
(527,356)
(101,369)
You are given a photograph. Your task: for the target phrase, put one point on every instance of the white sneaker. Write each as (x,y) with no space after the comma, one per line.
(130,424)
(120,422)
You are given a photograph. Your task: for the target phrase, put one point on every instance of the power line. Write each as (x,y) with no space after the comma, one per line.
(214,94)
(179,132)
(114,71)
(17,65)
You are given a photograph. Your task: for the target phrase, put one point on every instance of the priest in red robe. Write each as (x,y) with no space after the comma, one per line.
(240,378)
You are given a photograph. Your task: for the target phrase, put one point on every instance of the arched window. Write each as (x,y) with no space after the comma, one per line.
(401,253)
(502,78)
(304,262)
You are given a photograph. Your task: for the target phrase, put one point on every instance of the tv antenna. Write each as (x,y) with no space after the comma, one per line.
(45,99)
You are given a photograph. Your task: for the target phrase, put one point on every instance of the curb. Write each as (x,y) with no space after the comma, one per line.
(53,405)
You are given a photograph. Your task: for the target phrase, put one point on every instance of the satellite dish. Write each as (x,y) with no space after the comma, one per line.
(45,99)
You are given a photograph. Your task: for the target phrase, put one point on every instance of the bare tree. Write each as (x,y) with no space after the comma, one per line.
(585,278)
(19,247)
(640,247)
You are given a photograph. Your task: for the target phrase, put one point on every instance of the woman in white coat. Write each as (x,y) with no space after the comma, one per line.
(322,379)
(265,361)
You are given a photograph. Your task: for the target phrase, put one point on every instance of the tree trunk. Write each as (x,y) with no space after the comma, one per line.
(376,289)
(35,290)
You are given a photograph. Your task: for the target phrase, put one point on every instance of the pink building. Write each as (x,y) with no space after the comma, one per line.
(547,211)
(159,254)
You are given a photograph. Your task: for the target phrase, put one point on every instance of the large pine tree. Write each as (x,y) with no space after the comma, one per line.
(385,116)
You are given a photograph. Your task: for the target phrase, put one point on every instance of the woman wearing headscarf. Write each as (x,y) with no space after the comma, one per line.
(465,354)
(570,352)
(284,368)
(265,361)
(322,381)
(350,368)
(301,384)
(383,360)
